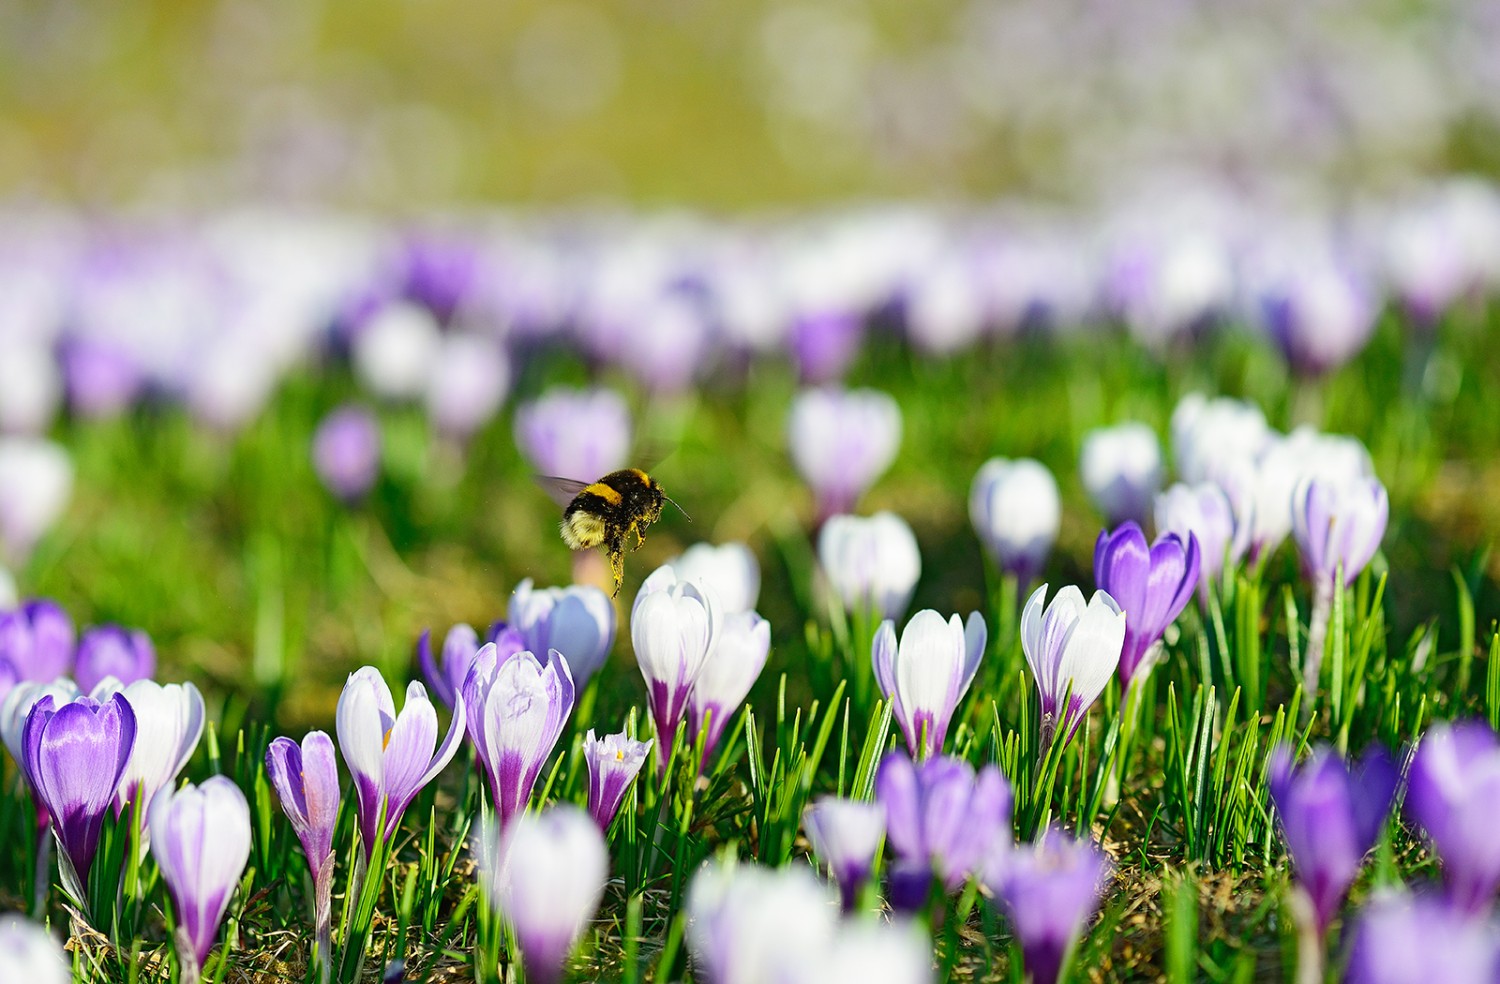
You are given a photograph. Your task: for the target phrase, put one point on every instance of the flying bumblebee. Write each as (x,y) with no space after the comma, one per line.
(606,512)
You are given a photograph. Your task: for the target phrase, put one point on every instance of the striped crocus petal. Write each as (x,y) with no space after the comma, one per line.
(928,672)
(169,722)
(675,627)
(522,718)
(363,721)
(410,760)
(202,838)
(306,779)
(613,763)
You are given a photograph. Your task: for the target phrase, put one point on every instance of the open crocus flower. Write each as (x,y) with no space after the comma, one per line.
(1072,649)
(1016,512)
(578,621)
(169,722)
(36,640)
(845,834)
(1151,585)
(392,757)
(517,707)
(1049,889)
(202,838)
(29,953)
(726,679)
(730,570)
(613,763)
(675,626)
(1453,791)
(114,651)
(306,780)
(927,673)
(459,647)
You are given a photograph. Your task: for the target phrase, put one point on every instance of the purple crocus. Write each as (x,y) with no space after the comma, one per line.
(1453,791)
(578,621)
(675,626)
(74,755)
(517,706)
(306,780)
(1204,512)
(576,434)
(1330,817)
(391,757)
(1151,586)
(841,442)
(202,838)
(1073,649)
(1049,889)
(613,762)
(459,648)
(927,673)
(725,681)
(824,342)
(114,651)
(845,835)
(1016,512)
(36,640)
(1414,939)
(346,452)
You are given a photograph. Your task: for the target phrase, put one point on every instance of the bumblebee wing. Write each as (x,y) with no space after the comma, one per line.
(561,490)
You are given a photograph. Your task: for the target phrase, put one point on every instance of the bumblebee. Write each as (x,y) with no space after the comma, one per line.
(606,512)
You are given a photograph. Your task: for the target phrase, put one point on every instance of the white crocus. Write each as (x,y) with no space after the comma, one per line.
(1073,649)
(870,562)
(169,721)
(1016,512)
(927,673)
(729,569)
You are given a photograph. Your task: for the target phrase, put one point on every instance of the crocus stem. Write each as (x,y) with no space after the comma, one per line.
(1309,938)
(323,918)
(188,971)
(42,877)
(1317,636)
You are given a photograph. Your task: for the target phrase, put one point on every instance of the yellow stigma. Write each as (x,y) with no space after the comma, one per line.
(386,741)
(620,755)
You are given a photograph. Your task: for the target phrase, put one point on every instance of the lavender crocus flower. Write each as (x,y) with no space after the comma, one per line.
(726,678)
(1319,314)
(872,563)
(391,757)
(29,953)
(748,924)
(202,838)
(1453,791)
(1073,649)
(578,621)
(114,651)
(306,780)
(1330,817)
(1204,512)
(1016,512)
(845,835)
(1121,470)
(729,569)
(940,819)
(1049,889)
(470,376)
(517,706)
(74,755)
(897,952)
(1150,585)
(613,762)
(546,877)
(675,626)
(459,648)
(1414,939)
(576,434)
(169,722)
(927,673)
(36,482)
(36,639)
(824,342)
(841,442)
(346,452)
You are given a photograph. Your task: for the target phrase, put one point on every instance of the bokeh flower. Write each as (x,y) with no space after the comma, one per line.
(346,452)
(845,834)
(113,651)
(841,442)
(1121,469)
(1016,512)
(1049,890)
(1453,792)
(871,563)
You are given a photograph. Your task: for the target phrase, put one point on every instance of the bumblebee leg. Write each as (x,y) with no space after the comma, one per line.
(616,549)
(639,537)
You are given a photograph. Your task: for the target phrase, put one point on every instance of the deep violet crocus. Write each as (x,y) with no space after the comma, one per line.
(445,676)
(113,651)
(1151,585)
(36,639)
(675,626)
(1049,890)
(845,834)
(391,757)
(613,763)
(1330,817)
(927,673)
(1072,649)
(202,838)
(1453,791)
(306,780)
(517,706)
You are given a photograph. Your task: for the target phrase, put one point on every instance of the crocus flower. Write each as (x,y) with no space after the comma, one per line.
(940,819)
(870,562)
(1282,465)
(169,722)
(928,673)
(1413,939)
(1150,585)
(74,755)
(1209,433)
(391,757)
(841,442)
(396,350)
(1073,649)
(1016,512)
(1338,525)
(823,343)
(753,925)
(576,434)
(114,651)
(546,877)
(306,780)
(1330,817)
(469,379)
(36,482)
(726,678)
(1049,889)
(1204,512)
(346,452)
(459,648)
(1121,470)
(578,621)
(36,639)
(1317,311)
(29,953)
(881,952)
(613,763)
(517,707)
(675,626)
(1453,791)
(18,703)
(202,840)
(845,835)
(729,569)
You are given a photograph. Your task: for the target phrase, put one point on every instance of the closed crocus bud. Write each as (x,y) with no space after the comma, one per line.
(201,836)
(459,648)
(927,673)
(1121,470)
(29,953)
(729,569)
(1413,939)
(613,762)
(674,625)
(1338,525)
(1320,314)
(469,380)
(1208,433)
(395,351)
(346,452)
(36,482)
(578,621)
(1073,649)
(113,651)
(74,755)
(731,670)
(753,925)
(1151,585)
(841,442)
(391,757)
(845,834)
(898,952)
(1049,890)
(1453,791)
(546,877)
(1203,512)
(517,706)
(575,434)
(37,640)
(940,819)
(1330,818)
(1016,512)
(1287,461)
(306,780)
(169,722)
(872,563)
